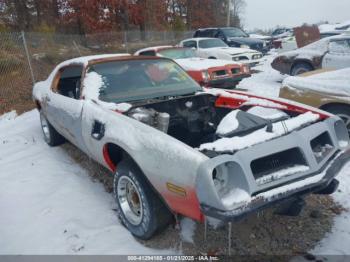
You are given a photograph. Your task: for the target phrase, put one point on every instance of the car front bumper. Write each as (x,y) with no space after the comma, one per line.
(260,203)
(227,83)
(319,175)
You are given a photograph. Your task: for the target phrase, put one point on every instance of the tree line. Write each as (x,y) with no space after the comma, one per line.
(93,16)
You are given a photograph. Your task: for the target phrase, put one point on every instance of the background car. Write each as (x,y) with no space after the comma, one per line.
(214,48)
(207,72)
(327,53)
(329,91)
(233,37)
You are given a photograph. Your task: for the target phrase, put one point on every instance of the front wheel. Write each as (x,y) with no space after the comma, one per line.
(51,136)
(139,208)
(301,68)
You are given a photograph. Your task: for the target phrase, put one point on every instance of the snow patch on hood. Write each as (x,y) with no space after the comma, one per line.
(197,63)
(278,129)
(232,50)
(228,124)
(334,82)
(267,113)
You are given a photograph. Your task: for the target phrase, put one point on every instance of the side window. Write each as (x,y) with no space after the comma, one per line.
(68,81)
(148,53)
(190,44)
(339,47)
(220,34)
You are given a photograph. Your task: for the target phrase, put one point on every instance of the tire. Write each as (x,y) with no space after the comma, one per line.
(139,207)
(342,111)
(51,136)
(300,68)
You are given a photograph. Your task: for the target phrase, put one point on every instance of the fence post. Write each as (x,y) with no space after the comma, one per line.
(126,41)
(28,57)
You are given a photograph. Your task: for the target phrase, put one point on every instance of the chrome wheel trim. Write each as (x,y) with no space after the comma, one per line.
(45,128)
(130,200)
(301,71)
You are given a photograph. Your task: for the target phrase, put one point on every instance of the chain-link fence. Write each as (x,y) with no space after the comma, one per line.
(29,57)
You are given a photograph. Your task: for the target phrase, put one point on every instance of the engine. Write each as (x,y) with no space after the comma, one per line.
(151,117)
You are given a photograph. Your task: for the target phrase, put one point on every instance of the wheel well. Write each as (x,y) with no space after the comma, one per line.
(327,106)
(113,154)
(301,62)
(212,57)
(37,104)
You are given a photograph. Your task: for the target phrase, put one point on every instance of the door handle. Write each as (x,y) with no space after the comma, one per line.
(98,130)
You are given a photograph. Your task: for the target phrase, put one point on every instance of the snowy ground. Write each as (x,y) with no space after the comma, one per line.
(49,205)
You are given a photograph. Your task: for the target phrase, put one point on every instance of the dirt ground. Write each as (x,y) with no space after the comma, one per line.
(260,234)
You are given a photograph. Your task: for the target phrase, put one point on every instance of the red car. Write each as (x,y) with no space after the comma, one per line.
(207,72)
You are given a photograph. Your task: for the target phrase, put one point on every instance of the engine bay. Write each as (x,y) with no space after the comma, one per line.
(195,119)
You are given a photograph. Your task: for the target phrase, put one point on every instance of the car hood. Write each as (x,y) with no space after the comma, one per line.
(245,40)
(231,50)
(197,63)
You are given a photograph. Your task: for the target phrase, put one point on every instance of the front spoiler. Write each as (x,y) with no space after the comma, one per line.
(331,170)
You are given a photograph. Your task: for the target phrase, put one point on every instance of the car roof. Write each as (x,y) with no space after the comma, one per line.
(155,48)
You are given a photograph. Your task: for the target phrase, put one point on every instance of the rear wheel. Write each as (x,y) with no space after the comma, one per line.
(139,208)
(301,68)
(342,111)
(51,136)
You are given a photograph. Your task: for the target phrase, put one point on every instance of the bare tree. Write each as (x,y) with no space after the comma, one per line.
(236,9)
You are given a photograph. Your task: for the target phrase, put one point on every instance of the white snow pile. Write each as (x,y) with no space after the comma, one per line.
(50,205)
(278,129)
(282,173)
(333,27)
(228,124)
(235,197)
(265,83)
(188,227)
(266,113)
(337,241)
(333,82)
(93,83)
(7,117)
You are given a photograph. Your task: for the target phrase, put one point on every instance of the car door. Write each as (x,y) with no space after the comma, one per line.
(64,104)
(338,55)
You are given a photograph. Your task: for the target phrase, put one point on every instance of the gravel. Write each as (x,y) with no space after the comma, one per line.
(263,233)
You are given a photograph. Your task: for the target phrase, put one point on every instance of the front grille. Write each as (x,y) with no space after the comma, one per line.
(235,71)
(321,146)
(284,160)
(220,73)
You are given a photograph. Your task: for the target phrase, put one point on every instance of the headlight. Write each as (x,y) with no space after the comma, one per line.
(205,76)
(231,193)
(257,56)
(245,46)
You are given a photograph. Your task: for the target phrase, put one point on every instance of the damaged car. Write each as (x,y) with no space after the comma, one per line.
(175,148)
(207,72)
(327,53)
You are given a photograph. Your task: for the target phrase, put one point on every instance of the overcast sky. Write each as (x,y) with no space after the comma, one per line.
(265,14)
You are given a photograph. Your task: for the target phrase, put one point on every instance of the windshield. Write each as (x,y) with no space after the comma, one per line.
(123,81)
(210,43)
(234,32)
(177,53)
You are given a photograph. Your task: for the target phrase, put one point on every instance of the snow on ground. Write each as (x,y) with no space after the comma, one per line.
(49,204)
(267,82)
(188,227)
(338,241)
